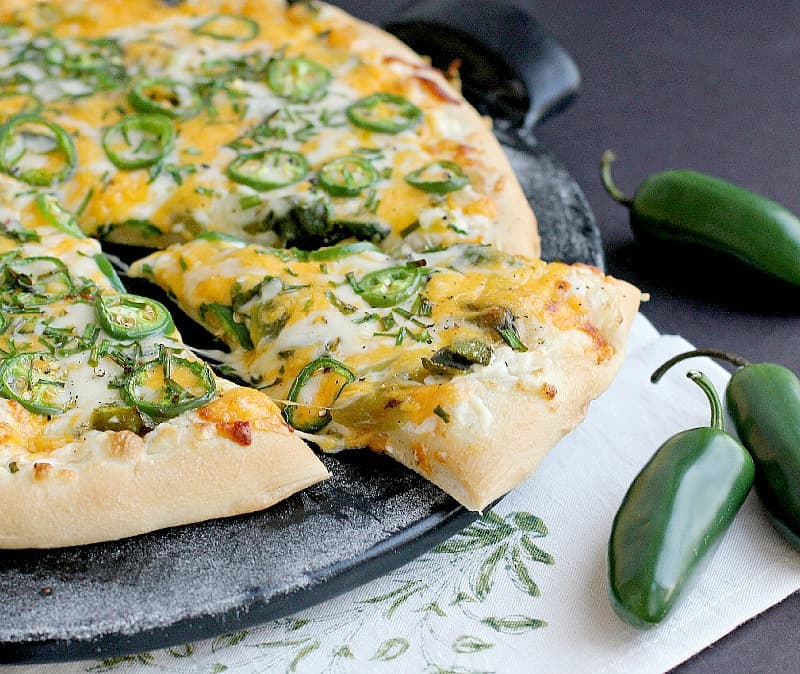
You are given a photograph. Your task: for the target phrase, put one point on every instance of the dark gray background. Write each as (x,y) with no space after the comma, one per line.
(711,86)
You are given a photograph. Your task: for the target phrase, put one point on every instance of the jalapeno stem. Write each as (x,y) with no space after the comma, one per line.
(713,398)
(606,160)
(726,356)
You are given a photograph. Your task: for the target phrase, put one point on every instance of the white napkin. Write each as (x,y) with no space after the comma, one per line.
(525,588)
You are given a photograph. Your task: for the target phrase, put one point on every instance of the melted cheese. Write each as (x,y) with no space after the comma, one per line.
(189,189)
(313,309)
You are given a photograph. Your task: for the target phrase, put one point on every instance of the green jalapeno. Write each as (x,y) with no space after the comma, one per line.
(128,316)
(387,287)
(113,417)
(438,177)
(268,169)
(692,208)
(107,269)
(30,135)
(458,357)
(209,235)
(341,250)
(57,216)
(297,79)
(228,27)
(36,281)
(163,96)
(384,113)
(347,176)
(35,381)
(314,390)
(763,400)
(677,509)
(169,386)
(220,320)
(139,141)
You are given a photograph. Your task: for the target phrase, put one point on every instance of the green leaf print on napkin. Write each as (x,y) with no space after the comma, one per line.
(450,600)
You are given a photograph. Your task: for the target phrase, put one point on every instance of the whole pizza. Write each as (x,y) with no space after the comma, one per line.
(328,206)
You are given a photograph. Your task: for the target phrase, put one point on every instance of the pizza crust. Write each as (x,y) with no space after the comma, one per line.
(498,433)
(113,485)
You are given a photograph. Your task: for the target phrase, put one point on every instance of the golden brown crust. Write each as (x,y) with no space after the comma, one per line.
(517,231)
(497,431)
(115,484)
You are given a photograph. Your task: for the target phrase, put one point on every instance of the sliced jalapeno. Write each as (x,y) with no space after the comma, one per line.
(458,357)
(341,250)
(315,389)
(139,141)
(36,281)
(439,177)
(268,169)
(347,176)
(109,272)
(112,417)
(387,287)
(219,318)
(166,97)
(384,113)
(297,79)
(169,386)
(35,381)
(57,216)
(128,316)
(228,27)
(29,136)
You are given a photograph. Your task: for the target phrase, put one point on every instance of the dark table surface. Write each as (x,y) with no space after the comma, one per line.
(711,86)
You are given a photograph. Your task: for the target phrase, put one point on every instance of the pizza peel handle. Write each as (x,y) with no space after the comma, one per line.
(512,69)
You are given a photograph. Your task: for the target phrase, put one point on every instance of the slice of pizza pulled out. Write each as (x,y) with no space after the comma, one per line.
(465,364)
(109,426)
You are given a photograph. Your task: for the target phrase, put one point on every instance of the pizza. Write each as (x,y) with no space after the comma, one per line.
(328,206)
(109,426)
(293,126)
(464,363)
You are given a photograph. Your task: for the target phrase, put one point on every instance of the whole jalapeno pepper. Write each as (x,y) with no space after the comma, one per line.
(693,208)
(763,400)
(676,510)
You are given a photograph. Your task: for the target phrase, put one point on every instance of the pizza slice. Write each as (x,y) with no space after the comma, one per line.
(284,125)
(109,426)
(463,363)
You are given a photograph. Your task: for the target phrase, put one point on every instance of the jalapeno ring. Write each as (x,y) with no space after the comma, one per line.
(36,281)
(322,417)
(387,287)
(166,97)
(33,380)
(298,78)
(268,169)
(154,138)
(438,177)
(227,27)
(128,316)
(384,113)
(57,216)
(13,148)
(169,386)
(347,176)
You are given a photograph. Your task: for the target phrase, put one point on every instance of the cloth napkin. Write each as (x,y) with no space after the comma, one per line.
(524,588)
